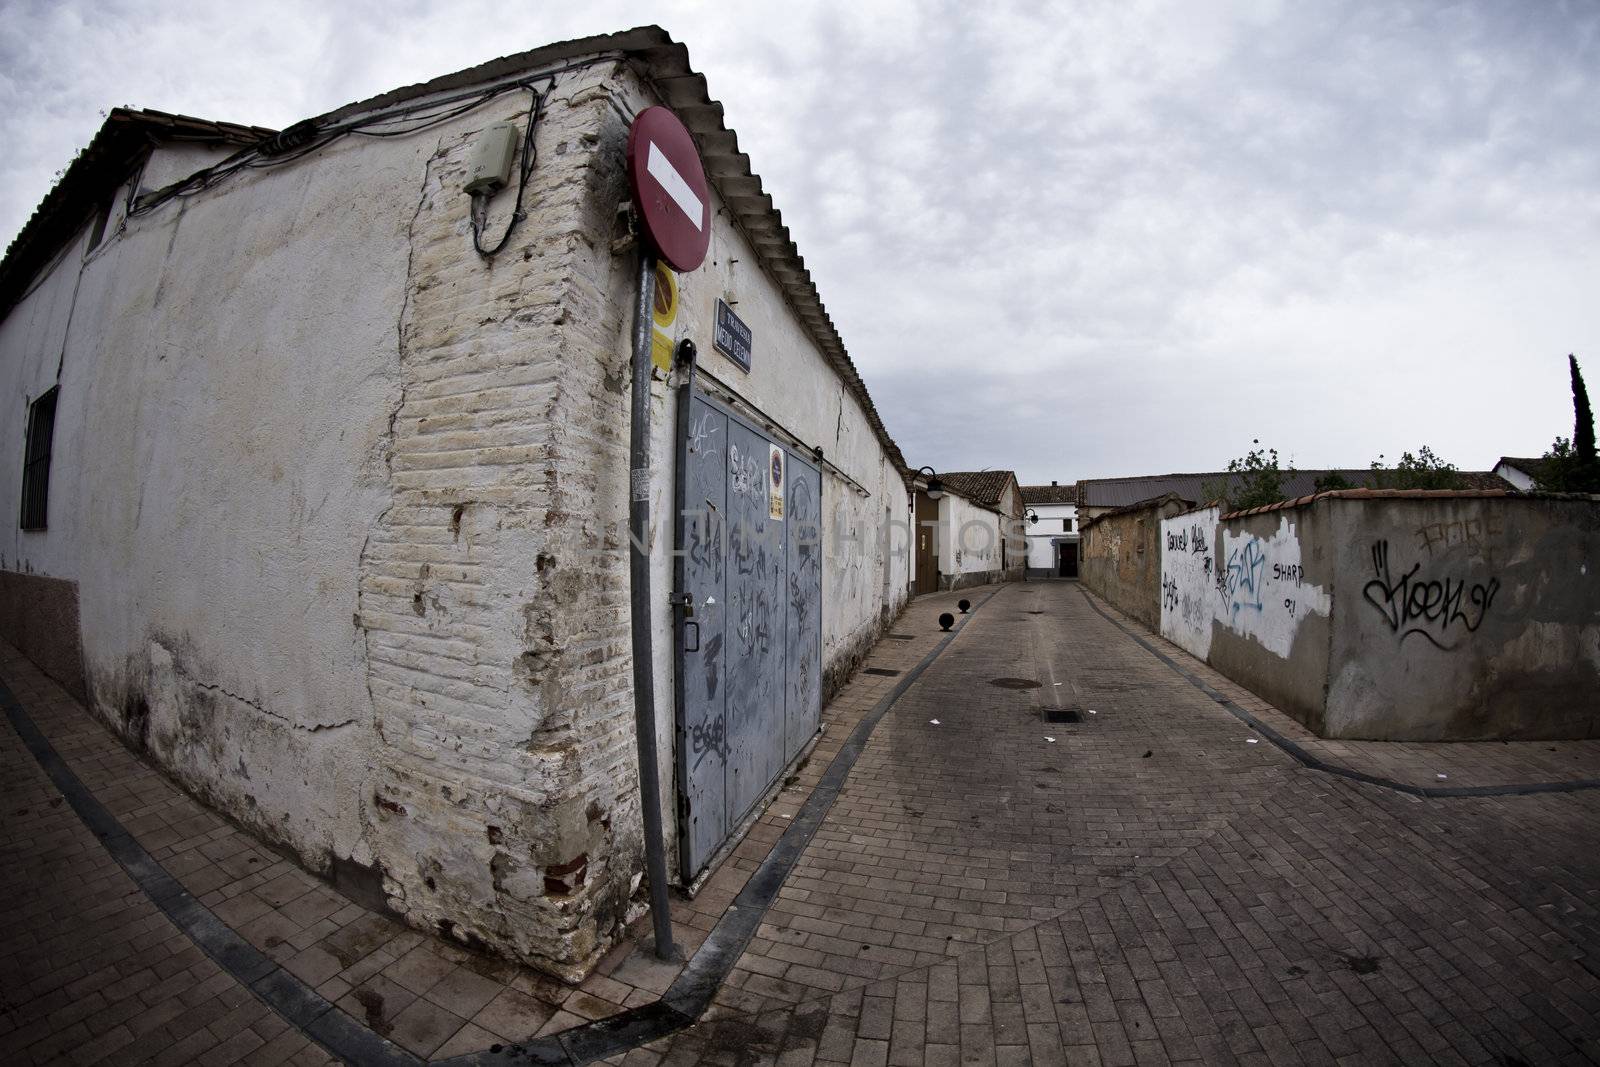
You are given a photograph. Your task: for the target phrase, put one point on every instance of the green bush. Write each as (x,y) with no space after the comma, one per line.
(1422,470)
(1260,480)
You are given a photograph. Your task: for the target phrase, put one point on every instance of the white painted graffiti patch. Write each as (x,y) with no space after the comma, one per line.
(1249,585)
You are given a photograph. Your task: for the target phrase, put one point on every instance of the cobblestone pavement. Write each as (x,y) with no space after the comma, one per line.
(92,970)
(1150,887)
(1143,885)
(1432,764)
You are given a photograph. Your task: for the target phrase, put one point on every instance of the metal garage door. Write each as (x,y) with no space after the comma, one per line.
(749,661)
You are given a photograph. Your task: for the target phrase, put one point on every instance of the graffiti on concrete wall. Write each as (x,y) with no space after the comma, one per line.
(1442,610)
(1475,534)
(1253,586)
(1241,583)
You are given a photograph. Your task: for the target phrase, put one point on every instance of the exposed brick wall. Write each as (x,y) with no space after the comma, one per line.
(498,653)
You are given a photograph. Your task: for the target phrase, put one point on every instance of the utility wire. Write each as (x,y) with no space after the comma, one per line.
(305,138)
(480,201)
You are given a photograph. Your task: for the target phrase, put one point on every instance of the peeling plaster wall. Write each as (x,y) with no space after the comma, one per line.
(1191,602)
(1416,618)
(1463,619)
(506,806)
(1250,585)
(1121,560)
(1252,597)
(346,507)
(218,459)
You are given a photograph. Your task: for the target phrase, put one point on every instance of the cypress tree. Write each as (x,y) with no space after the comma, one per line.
(1583,449)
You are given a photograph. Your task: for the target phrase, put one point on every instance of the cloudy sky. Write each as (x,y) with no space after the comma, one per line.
(1079,240)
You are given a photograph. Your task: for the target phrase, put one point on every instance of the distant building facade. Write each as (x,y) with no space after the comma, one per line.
(1522,474)
(972,534)
(1052,529)
(1096,496)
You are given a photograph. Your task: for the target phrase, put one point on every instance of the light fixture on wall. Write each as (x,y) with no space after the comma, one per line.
(935,488)
(1033,517)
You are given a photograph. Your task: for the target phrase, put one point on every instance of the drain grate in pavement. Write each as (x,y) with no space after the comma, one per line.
(1014,683)
(1062,715)
(902,637)
(881,671)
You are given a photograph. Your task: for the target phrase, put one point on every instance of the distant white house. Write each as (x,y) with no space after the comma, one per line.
(1052,529)
(1522,473)
(971,534)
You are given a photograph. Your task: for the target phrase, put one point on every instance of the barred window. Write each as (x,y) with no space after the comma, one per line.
(36,463)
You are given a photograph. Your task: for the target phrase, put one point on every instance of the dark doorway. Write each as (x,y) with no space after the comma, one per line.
(1067,559)
(927,540)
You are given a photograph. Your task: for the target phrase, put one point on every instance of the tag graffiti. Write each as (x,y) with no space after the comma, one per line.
(709,739)
(1431,609)
(1240,583)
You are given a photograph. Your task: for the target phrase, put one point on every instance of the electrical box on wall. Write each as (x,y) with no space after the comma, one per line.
(489,169)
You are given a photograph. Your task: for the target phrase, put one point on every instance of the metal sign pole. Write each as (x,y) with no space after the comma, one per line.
(644,695)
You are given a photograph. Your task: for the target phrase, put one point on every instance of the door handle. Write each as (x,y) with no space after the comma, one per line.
(686,646)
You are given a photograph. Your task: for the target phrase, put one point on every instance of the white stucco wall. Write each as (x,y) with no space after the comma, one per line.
(217,464)
(347,505)
(1042,536)
(1518,478)
(969,537)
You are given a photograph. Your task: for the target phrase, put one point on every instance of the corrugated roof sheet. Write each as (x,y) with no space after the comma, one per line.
(661,61)
(1119,492)
(1138,505)
(1413,494)
(1050,494)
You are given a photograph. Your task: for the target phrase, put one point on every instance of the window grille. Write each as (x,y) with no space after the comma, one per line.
(36,462)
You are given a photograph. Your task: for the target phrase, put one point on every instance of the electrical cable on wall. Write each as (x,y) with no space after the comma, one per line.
(305,138)
(480,200)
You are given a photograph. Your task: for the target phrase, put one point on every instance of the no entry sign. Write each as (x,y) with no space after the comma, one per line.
(669,185)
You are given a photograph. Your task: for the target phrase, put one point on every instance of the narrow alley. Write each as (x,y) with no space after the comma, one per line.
(1061,842)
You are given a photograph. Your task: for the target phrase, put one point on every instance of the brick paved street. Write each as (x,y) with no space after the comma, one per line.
(1152,888)
(1147,887)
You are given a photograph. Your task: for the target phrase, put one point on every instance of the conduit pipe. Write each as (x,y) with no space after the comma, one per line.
(644,693)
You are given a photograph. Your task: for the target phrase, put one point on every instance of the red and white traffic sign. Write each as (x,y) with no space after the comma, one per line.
(669,186)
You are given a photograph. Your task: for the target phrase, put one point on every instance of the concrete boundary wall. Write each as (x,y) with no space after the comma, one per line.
(1120,556)
(1414,616)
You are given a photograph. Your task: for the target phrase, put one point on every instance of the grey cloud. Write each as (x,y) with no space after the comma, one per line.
(1074,239)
